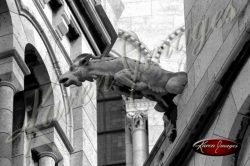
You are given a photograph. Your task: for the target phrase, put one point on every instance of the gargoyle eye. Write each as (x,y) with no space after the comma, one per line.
(71,68)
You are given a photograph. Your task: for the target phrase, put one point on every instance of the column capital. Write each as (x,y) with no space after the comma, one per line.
(48,150)
(13,69)
(9,84)
(137,120)
(48,154)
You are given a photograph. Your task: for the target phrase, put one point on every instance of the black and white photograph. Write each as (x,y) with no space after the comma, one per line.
(124,83)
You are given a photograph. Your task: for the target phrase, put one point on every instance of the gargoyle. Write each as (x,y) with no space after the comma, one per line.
(150,80)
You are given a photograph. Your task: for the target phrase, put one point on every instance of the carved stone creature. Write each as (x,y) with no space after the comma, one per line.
(150,80)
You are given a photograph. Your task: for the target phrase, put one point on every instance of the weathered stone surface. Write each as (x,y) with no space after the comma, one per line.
(226,118)
(83,143)
(18,30)
(77,118)
(241,87)
(6,97)
(19,161)
(223,53)
(9,5)
(90,129)
(79,159)
(188,6)
(6,24)
(5,145)
(6,117)
(5,161)
(207,54)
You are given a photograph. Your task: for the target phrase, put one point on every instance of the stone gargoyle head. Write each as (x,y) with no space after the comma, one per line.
(78,72)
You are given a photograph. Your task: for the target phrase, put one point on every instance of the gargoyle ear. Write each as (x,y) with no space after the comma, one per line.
(84,59)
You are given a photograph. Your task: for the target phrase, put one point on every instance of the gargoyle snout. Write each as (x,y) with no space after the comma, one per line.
(63,80)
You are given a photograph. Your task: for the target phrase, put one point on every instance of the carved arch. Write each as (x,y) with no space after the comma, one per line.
(30,34)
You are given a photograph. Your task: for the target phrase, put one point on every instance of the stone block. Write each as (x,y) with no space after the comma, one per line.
(6,117)
(244,10)
(45,116)
(18,30)
(83,143)
(154,133)
(90,129)
(230,23)
(223,53)
(91,111)
(241,86)
(9,5)
(78,118)
(226,118)
(29,30)
(201,89)
(155,118)
(79,46)
(5,161)
(207,54)
(79,159)
(188,91)
(19,160)
(10,71)
(5,145)
(6,24)
(19,144)
(51,94)
(6,94)
(188,6)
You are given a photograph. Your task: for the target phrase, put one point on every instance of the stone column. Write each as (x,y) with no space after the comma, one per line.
(139,138)
(128,142)
(7,91)
(47,159)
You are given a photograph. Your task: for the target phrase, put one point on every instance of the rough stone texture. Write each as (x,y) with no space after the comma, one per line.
(223,53)
(155,127)
(205,69)
(82,143)
(241,87)
(207,54)
(226,118)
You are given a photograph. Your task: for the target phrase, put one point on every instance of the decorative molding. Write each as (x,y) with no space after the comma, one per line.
(24,11)
(9,84)
(48,154)
(102,26)
(137,120)
(134,40)
(167,42)
(49,150)
(142,105)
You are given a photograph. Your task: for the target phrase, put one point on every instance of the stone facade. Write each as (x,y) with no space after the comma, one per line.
(41,122)
(215,102)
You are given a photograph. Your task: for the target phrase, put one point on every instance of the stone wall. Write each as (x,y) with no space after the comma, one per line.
(216,31)
(58,125)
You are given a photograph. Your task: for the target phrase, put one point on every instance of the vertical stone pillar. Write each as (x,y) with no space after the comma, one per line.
(47,159)
(139,138)
(7,91)
(128,142)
